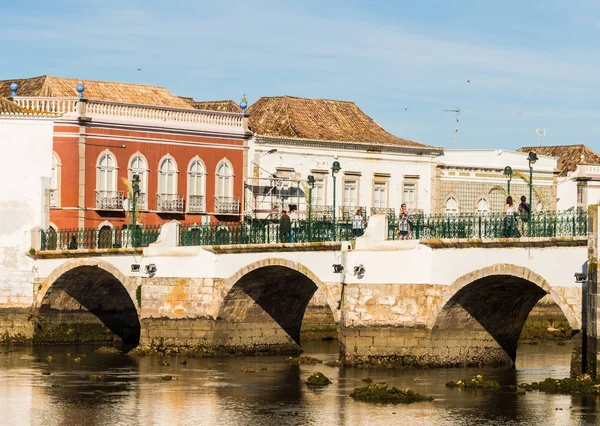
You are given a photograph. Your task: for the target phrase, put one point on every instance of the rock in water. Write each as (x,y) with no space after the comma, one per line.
(318,379)
(380,393)
(476,382)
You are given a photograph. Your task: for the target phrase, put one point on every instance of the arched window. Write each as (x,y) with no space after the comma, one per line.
(55,182)
(107,196)
(138,166)
(167,179)
(451,206)
(482,206)
(196,186)
(224,180)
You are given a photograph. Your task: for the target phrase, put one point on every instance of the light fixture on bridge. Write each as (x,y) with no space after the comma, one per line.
(151,269)
(135,267)
(359,271)
(580,277)
(338,268)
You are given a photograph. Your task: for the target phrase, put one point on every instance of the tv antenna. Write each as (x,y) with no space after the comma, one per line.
(540,133)
(457,111)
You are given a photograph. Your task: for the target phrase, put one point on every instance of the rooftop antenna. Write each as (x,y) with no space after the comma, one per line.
(540,133)
(457,111)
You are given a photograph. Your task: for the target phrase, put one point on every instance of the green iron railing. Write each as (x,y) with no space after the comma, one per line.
(93,238)
(420,227)
(264,232)
(494,225)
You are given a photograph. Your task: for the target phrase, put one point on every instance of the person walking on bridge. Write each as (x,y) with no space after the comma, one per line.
(524,209)
(285,227)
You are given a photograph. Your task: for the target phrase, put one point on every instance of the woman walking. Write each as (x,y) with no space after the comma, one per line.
(358,224)
(510,224)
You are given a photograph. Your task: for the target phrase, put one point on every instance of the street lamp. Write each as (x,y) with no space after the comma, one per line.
(531,158)
(311,184)
(508,173)
(335,168)
(135,185)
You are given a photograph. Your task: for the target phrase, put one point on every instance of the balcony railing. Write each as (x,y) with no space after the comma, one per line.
(347,212)
(390,212)
(227,205)
(109,200)
(321,212)
(53,197)
(196,204)
(172,203)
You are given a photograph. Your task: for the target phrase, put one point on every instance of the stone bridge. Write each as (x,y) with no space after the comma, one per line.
(436,302)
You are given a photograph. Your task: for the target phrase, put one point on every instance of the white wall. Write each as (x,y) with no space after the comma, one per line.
(497,159)
(566,194)
(25,174)
(305,159)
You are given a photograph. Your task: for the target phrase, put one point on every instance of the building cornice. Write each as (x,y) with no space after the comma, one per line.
(350,146)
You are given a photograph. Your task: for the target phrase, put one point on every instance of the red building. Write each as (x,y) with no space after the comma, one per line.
(190,162)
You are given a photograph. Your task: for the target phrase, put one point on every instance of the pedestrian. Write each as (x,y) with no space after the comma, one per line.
(403,223)
(358,224)
(285,227)
(524,212)
(73,243)
(510,228)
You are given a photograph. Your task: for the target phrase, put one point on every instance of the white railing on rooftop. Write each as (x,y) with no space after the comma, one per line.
(124,110)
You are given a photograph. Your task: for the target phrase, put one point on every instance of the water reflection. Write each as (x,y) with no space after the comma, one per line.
(218,392)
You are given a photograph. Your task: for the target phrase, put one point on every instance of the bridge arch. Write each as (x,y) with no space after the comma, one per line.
(90,286)
(483,312)
(264,303)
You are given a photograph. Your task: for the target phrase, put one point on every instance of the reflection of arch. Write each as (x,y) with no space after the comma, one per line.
(99,287)
(270,295)
(487,308)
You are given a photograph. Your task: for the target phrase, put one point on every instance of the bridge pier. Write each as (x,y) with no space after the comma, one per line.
(591,337)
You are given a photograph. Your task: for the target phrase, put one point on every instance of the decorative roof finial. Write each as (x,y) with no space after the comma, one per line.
(14,87)
(244,104)
(80,88)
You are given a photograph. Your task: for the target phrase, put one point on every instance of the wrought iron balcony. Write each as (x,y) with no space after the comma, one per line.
(227,205)
(172,203)
(347,212)
(109,200)
(321,212)
(390,212)
(196,204)
(53,197)
(141,202)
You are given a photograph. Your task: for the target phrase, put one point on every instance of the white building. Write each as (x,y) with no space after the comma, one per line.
(468,180)
(26,178)
(578,181)
(295,138)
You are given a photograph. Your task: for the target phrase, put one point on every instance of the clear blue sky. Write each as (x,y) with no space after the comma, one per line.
(531,63)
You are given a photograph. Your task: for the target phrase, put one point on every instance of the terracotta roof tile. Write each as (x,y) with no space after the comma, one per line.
(60,87)
(8,107)
(223,106)
(320,119)
(569,156)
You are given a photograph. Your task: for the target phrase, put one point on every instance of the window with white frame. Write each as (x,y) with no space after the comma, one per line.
(350,193)
(483,206)
(409,196)
(54,179)
(224,180)
(196,186)
(380,195)
(451,206)
(138,166)
(318,192)
(107,173)
(167,177)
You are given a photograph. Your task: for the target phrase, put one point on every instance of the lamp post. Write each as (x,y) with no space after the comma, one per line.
(508,173)
(335,168)
(311,184)
(135,185)
(531,158)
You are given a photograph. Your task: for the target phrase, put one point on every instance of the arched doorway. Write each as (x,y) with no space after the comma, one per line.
(86,303)
(483,316)
(264,307)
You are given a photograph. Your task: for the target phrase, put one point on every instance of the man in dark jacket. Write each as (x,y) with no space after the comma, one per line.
(285,227)
(524,209)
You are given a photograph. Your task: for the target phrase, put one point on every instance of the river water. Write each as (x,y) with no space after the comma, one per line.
(217,392)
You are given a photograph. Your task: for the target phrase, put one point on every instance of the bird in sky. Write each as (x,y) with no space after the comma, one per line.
(139,69)
(405,109)
(468,81)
